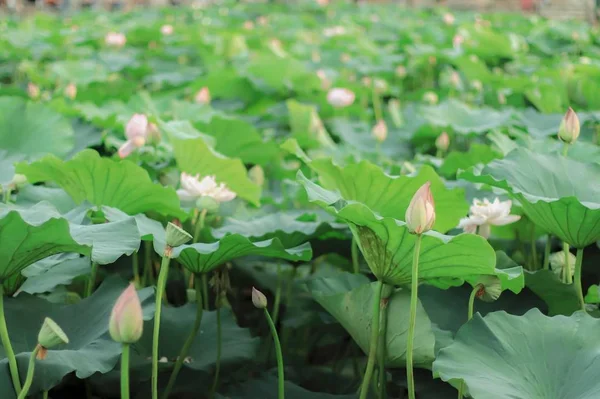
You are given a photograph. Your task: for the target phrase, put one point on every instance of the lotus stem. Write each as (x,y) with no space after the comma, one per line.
(199,225)
(376,103)
(45,395)
(205,292)
(567,266)
(461,388)
(381,348)
(147,277)
(92,281)
(160,289)
(6,195)
(547,250)
(10,354)
(218,363)
(279,355)
(364,389)
(578,287)
(354,252)
(565,149)
(30,371)
(277,302)
(533,248)
(413,318)
(135,264)
(125,372)
(188,342)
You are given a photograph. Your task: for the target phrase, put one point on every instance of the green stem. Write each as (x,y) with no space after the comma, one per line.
(125,372)
(355,261)
(565,149)
(92,281)
(189,341)
(382,348)
(280,376)
(160,289)
(364,389)
(413,318)
(461,388)
(205,291)
(547,250)
(45,395)
(578,287)
(218,363)
(136,269)
(10,354)
(6,195)
(199,225)
(377,104)
(147,263)
(567,267)
(277,302)
(30,371)
(533,248)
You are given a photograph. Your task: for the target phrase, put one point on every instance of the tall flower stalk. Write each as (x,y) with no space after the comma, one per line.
(364,389)
(10,353)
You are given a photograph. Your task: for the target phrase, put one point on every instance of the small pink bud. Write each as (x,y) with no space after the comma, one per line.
(71,91)
(259,299)
(569,127)
(126,320)
(166,30)
(203,96)
(420,214)
(33,90)
(442,142)
(380,131)
(401,71)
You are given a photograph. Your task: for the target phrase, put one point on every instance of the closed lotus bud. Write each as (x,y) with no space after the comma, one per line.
(394,107)
(33,90)
(176,236)
(559,266)
(203,96)
(71,91)
(380,131)
(420,214)
(166,30)
(259,299)
(442,142)
(430,97)
(569,127)
(490,288)
(126,320)
(136,126)
(248,25)
(50,335)
(257,175)
(340,97)
(401,71)
(448,18)
(380,85)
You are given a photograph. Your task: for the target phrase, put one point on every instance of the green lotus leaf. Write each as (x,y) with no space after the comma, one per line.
(81,72)
(47,274)
(103,181)
(195,155)
(463,119)
(266,388)
(350,301)
(287,226)
(204,257)
(561,298)
(510,274)
(477,154)
(90,349)
(489,351)
(387,244)
(33,129)
(307,127)
(560,195)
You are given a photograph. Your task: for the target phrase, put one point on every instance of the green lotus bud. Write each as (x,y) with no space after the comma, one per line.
(569,127)
(259,299)
(559,266)
(51,334)
(442,142)
(126,320)
(490,288)
(176,236)
(257,175)
(207,202)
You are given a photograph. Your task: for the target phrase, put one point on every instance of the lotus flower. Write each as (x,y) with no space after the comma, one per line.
(259,300)
(449,18)
(115,39)
(340,97)
(420,214)
(569,127)
(126,320)
(71,91)
(484,214)
(203,96)
(192,189)
(457,41)
(380,131)
(136,132)
(166,30)
(559,266)
(33,90)
(442,142)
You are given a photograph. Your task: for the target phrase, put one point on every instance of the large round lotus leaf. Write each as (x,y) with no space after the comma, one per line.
(533,356)
(560,195)
(33,129)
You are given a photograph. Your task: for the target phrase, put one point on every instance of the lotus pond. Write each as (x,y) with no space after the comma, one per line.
(311,201)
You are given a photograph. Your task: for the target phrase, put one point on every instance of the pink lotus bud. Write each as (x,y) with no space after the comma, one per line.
(71,91)
(340,98)
(248,25)
(262,20)
(442,142)
(401,71)
(137,127)
(203,96)
(457,41)
(115,39)
(33,90)
(126,320)
(166,30)
(448,18)
(569,127)
(420,214)
(259,299)
(380,131)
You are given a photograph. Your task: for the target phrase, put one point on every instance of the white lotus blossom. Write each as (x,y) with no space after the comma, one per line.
(136,132)
(484,214)
(340,97)
(193,188)
(115,39)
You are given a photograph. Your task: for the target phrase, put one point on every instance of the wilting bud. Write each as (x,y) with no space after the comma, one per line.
(259,299)
(203,96)
(340,97)
(50,335)
(71,91)
(166,30)
(569,127)
(176,236)
(559,266)
(126,320)
(420,214)
(257,175)
(33,90)
(490,288)
(380,131)
(442,142)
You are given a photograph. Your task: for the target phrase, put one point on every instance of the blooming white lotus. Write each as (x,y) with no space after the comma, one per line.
(484,214)
(136,132)
(115,39)
(193,188)
(340,97)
